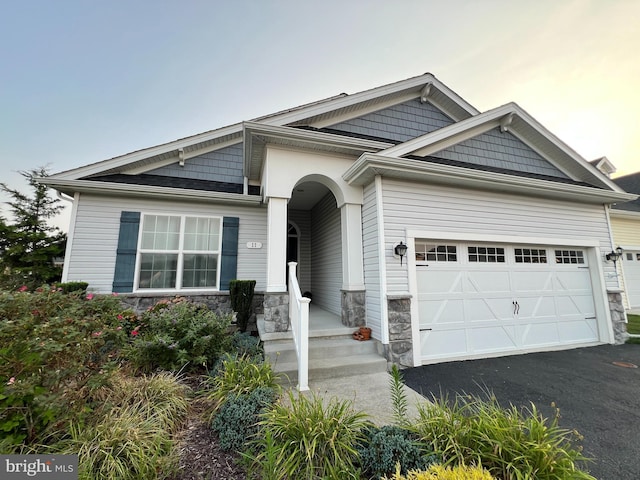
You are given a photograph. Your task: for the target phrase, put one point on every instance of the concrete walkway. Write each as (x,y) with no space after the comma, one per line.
(370,393)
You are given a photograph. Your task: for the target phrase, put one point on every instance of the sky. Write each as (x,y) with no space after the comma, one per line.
(83,81)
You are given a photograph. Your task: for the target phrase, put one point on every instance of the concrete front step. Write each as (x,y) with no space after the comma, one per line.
(329,357)
(334,367)
(333,353)
(319,348)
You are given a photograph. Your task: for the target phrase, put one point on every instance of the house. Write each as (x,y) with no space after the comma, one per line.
(506,228)
(625,224)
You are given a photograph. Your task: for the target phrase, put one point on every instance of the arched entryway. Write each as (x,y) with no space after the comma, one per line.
(306,189)
(314,215)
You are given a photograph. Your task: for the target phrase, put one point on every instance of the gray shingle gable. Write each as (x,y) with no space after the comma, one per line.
(500,150)
(629,183)
(399,123)
(224,165)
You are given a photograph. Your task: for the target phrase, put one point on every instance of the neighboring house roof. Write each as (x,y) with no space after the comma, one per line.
(316,126)
(629,183)
(604,165)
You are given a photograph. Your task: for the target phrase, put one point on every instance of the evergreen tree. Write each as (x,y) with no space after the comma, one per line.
(29,245)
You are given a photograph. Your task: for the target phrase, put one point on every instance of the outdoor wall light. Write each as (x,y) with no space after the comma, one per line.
(614,256)
(400,250)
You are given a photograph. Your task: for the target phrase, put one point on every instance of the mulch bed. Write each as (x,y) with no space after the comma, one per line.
(201,457)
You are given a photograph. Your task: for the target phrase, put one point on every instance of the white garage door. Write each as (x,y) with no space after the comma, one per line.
(631,265)
(476,299)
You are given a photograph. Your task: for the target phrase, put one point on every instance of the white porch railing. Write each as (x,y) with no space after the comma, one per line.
(299,319)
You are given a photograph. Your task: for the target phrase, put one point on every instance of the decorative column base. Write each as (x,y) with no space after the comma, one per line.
(400,348)
(354,313)
(618,317)
(276,312)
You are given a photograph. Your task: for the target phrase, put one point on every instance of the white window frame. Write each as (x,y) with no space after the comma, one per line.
(180,252)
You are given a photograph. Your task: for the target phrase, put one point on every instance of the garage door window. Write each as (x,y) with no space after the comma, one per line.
(486,254)
(570,256)
(530,255)
(436,253)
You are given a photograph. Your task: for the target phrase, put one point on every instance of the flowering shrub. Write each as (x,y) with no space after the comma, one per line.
(55,349)
(178,334)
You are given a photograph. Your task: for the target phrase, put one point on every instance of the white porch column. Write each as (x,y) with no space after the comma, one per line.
(277,244)
(352,261)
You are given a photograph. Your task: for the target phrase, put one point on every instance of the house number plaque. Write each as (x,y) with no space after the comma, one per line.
(254,244)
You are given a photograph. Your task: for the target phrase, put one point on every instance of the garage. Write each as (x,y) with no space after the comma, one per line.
(479,299)
(631,266)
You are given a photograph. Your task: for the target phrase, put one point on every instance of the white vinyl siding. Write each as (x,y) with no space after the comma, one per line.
(302,220)
(93,253)
(371,261)
(326,255)
(626,231)
(446,209)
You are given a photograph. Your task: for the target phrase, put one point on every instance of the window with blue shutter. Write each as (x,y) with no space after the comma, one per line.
(175,252)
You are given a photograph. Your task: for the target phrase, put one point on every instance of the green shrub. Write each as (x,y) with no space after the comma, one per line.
(71,287)
(509,443)
(56,350)
(240,375)
(237,420)
(247,345)
(309,439)
(439,472)
(386,447)
(241,296)
(130,435)
(178,334)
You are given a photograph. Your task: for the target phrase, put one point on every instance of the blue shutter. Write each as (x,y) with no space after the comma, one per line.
(229,261)
(126,254)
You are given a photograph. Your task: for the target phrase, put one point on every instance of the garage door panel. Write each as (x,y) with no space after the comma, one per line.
(443,344)
(539,334)
(575,305)
(494,339)
(488,309)
(536,307)
(532,281)
(487,282)
(444,281)
(578,331)
(575,281)
(441,312)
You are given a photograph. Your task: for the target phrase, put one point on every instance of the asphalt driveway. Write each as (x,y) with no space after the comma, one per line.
(595,397)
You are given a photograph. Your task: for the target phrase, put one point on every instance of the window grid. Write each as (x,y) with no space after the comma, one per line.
(569,256)
(530,255)
(486,255)
(179,252)
(436,253)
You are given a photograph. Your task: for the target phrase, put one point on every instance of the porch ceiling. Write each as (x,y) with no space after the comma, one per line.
(306,195)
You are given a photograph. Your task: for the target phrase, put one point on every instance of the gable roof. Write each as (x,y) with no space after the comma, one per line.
(306,126)
(332,110)
(512,118)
